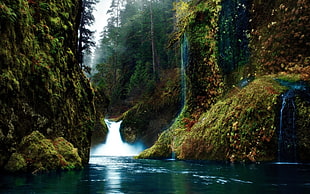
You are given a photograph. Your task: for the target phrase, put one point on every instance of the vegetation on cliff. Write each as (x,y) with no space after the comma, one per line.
(136,70)
(223,120)
(42,88)
(153,114)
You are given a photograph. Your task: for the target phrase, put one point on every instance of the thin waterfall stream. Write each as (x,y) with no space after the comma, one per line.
(184,63)
(287,133)
(287,142)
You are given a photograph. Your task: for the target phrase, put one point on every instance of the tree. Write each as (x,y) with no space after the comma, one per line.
(133,47)
(86,41)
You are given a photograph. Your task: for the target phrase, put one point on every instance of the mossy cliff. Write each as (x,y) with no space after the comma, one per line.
(240,127)
(41,86)
(152,115)
(233,101)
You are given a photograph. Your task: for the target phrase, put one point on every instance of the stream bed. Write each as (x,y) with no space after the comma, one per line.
(119,174)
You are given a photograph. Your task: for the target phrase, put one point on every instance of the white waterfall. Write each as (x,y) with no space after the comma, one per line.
(114,146)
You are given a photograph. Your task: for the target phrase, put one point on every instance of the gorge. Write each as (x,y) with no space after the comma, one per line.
(224,85)
(217,92)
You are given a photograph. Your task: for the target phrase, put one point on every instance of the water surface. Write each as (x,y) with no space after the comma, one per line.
(127,175)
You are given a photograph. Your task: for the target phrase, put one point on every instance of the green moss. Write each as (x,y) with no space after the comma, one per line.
(16,163)
(7,14)
(161,149)
(70,154)
(38,154)
(289,77)
(240,127)
(303,126)
(39,71)
(149,116)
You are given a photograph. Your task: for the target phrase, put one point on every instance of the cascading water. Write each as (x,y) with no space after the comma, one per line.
(287,137)
(287,141)
(184,63)
(114,146)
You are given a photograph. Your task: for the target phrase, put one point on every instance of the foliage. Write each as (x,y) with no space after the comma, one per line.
(85,34)
(125,58)
(39,72)
(233,35)
(7,14)
(279,40)
(303,124)
(204,76)
(141,79)
(240,127)
(183,16)
(152,114)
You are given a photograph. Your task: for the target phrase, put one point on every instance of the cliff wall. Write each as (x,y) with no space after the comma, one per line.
(42,88)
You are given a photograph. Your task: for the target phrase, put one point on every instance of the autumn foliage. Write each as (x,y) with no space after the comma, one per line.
(280,37)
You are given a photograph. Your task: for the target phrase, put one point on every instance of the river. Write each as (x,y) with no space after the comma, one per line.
(118,174)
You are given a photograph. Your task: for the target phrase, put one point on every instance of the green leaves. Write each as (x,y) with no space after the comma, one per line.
(7,14)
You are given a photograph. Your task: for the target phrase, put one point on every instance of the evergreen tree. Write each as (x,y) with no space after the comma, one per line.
(133,47)
(85,34)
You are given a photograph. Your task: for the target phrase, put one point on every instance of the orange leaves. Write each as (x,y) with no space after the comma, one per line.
(281,38)
(31,2)
(271,90)
(189,123)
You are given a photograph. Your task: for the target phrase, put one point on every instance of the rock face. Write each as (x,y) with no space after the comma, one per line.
(221,121)
(42,88)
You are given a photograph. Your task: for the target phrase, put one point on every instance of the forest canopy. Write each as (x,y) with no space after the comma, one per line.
(133,48)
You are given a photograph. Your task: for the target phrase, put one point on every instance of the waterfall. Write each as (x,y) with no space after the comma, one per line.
(287,136)
(287,141)
(184,63)
(114,145)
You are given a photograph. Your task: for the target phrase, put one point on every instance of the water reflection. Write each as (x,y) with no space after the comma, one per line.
(127,175)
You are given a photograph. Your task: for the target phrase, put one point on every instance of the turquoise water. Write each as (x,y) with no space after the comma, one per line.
(127,175)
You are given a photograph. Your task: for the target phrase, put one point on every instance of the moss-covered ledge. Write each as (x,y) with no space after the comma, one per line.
(240,127)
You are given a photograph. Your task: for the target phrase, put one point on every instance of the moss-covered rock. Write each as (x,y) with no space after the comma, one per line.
(100,129)
(150,116)
(69,153)
(161,149)
(16,163)
(224,122)
(36,154)
(240,127)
